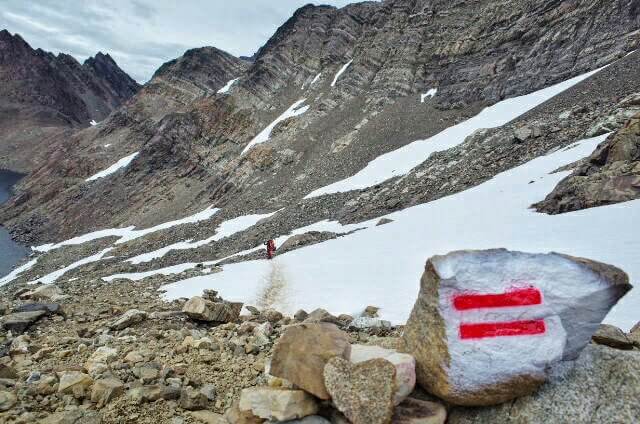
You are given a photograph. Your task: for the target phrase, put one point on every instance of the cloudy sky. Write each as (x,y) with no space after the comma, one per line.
(142,34)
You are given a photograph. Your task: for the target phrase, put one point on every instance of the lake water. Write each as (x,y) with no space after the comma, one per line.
(10,252)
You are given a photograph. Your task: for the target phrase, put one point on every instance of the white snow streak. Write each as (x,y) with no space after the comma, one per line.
(340,72)
(93,123)
(294,110)
(226,229)
(16,272)
(382,265)
(128,233)
(51,278)
(404,159)
(315,79)
(431,93)
(227,87)
(122,163)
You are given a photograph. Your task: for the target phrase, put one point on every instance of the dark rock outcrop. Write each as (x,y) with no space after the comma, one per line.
(610,175)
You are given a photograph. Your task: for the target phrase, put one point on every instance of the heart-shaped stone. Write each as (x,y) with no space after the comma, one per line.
(363,392)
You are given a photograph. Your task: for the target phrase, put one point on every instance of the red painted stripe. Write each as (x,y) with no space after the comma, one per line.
(518,297)
(502,329)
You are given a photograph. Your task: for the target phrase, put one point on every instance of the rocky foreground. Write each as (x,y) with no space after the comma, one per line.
(83,351)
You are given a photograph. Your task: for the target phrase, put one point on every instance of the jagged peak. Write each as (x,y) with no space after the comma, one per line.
(191,56)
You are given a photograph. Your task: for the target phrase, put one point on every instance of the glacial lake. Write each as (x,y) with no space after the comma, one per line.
(10,252)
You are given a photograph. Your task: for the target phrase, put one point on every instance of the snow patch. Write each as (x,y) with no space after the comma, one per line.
(315,79)
(295,109)
(225,229)
(122,163)
(51,278)
(404,159)
(128,233)
(227,87)
(431,93)
(340,72)
(382,266)
(93,123)
(16,272)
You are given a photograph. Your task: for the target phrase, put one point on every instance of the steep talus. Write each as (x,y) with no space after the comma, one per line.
(43,96)
(474,54)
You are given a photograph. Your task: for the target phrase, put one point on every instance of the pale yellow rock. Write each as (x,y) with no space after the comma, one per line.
(277,404)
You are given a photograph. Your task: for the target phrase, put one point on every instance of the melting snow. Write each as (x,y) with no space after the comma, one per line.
(226,229)
(51,278)
(340,72)
(122,163)
(129,233)
(404,159)
(431,93)
(382,265)
(93,123)
(227,87)
(16,272)
(294,110)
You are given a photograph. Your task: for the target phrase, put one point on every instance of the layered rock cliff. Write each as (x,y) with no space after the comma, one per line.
(474,54)
(42,95)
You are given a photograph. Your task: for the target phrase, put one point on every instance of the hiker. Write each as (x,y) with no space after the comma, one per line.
(271,248)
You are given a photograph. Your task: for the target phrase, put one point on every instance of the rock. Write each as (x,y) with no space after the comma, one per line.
(601,386)
(153,393)
(371,312)
(363,392)
(301,315)
(405,364)
(75,383)
(209,391)
(634,335)
(272,315)
(99,361)
(523,133)
(129,318)
(253,310)
(311,419)
(7,372)
(19,322)
(134,357)
(234,415)
(277,404)
(302,352)
(204,310)
(611,336)
(77,416)
(384,221)
(208,417)
(192,399)
(44,292)
(147,373)
(522,311)
(321,315)
(7,400)
(105,390)
(50,308)
(366,323)
(415,411)
(21,345)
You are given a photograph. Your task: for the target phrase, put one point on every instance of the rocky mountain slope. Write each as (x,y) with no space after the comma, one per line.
(396,51)
(43,95)
(363,140)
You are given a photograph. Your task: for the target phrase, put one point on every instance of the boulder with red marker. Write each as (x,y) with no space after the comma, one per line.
(488,325)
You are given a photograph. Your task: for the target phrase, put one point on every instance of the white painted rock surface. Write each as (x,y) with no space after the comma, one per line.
(488,325)
(405,379)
